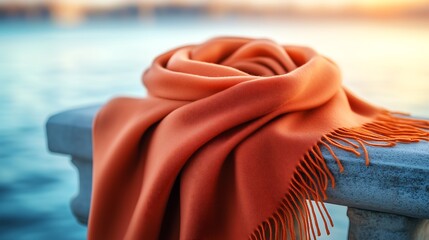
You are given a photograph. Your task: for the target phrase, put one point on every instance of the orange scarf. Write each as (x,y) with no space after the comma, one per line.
(227,145)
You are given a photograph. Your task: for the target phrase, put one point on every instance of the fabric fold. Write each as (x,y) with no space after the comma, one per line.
(227,145)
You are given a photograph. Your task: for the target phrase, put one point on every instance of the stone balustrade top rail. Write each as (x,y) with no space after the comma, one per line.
(396,182)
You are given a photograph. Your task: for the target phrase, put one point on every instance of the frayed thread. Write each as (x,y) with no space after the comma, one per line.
(296,215)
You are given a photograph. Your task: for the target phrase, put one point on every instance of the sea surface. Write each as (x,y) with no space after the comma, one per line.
(46,68)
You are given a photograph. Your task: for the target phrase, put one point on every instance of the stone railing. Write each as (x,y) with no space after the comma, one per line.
(387,200)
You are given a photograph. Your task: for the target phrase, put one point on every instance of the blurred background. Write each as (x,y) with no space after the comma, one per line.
(59,54)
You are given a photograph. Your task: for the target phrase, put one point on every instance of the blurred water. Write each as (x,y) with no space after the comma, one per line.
(46,68)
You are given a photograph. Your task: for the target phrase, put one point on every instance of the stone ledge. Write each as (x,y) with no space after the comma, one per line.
(396,182)
(70,132)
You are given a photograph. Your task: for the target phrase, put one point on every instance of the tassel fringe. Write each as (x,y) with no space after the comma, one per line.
(295,218)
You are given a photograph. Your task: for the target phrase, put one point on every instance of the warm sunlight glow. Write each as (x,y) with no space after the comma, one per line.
(390,5)
(369,5)
(74,11)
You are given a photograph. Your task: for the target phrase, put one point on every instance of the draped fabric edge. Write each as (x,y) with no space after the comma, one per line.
(312,175)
